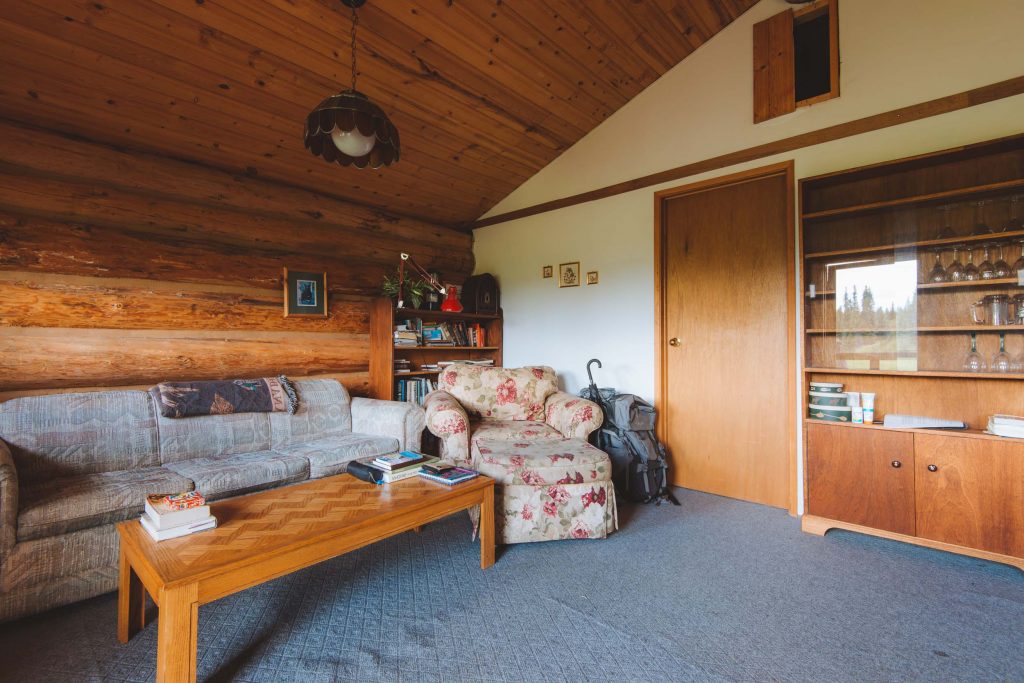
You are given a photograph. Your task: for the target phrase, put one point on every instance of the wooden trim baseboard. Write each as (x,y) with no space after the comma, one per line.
(894,117)
(785,168)
(819,525)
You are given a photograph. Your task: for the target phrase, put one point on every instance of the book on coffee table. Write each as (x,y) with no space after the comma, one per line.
(399,460)
(399,473)
(456,475)
(169,510)
(175,532)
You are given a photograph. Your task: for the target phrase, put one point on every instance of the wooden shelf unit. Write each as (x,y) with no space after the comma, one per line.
(383,351)
(954,490)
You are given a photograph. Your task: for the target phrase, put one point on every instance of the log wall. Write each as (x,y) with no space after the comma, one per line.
(123,269)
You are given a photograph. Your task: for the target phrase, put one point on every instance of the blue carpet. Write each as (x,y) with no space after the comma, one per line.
(715,590)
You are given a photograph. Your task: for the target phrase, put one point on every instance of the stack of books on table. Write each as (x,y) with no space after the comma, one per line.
(447,473)
(1009,426)
(397,466)
(170,515)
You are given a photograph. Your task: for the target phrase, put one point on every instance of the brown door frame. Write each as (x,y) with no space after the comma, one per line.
(660,347)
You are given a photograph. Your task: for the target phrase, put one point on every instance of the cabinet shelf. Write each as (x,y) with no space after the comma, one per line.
(916,373)
(963,433)
(917,200)
(937,286)
(949,329)
(945,241)
(416,373)
(406,313)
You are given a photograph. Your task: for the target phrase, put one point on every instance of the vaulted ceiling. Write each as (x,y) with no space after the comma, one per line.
(484,92)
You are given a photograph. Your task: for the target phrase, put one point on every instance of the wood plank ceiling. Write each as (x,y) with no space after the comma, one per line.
(484,92)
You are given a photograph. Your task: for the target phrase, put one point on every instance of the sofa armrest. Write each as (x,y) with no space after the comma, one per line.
(573,416)
(448,421)
(401,420)
(8,501)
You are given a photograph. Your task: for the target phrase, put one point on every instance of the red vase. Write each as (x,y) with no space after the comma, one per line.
(451,300)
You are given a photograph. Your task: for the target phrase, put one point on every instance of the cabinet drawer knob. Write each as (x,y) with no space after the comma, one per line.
(897,464)
(933,468)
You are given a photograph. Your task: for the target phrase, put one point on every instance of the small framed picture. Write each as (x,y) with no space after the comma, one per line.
(569,274)
(547,271)
(592,277)
(305,294)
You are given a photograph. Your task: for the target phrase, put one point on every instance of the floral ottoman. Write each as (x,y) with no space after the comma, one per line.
(548,489)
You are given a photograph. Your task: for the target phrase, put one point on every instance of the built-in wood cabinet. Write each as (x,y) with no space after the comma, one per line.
(970,493)
(861,476)
(949,491)
(912,277)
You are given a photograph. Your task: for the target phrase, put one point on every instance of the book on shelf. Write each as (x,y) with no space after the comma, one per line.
(440,333)
(414,390)
(455,475)
(1007,426)
(486,362)
(209,522)
(398,460)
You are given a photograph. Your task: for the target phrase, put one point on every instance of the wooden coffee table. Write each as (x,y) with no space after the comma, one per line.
(266,535)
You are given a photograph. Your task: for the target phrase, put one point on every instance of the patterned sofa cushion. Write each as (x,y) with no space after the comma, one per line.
(324,410)
(210,436)
(514,430)
(500,393)
(63,435)
(541,462)
(60,506)
(234,475)
(331,455)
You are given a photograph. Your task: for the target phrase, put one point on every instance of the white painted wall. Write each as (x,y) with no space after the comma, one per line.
(894,53)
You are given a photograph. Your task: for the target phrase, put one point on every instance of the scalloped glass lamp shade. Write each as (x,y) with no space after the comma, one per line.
(353,131)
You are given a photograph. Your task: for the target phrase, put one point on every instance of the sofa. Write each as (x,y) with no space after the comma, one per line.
(74,465)
(515,426)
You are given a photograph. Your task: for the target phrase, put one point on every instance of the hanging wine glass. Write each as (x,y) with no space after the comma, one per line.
(974,362)
(946,231)
(1002,268)
(1014,222)
(955,270)
(981,226)
(986,271)
(938,272)
(1001,361)
(971,271)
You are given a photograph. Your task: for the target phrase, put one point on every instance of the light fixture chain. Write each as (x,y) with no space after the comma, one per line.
(355,23)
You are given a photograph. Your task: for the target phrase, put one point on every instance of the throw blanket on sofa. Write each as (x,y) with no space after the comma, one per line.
(264,395)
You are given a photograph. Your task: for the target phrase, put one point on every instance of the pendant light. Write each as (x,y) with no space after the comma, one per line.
(348,128)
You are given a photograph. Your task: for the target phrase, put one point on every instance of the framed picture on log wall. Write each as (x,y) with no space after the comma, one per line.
(305,294)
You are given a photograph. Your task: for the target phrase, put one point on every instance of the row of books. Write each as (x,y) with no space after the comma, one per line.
(387,469)
(170,515)
(414,389)
(416,332)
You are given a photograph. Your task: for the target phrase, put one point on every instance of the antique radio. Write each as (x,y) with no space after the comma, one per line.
(480,294)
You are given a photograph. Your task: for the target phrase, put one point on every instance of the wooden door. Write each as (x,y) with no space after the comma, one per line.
(970,492)
(725,335)
(861,476)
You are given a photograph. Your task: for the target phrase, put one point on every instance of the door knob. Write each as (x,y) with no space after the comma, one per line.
(675,341)
(933,468)
(897,464)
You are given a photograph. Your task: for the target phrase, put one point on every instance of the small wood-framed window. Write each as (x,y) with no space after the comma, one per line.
(796,59)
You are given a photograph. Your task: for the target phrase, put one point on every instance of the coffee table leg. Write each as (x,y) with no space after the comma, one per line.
(487,528)
(176,635)
(131,601)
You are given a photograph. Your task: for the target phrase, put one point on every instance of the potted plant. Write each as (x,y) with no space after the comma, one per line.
(415,289)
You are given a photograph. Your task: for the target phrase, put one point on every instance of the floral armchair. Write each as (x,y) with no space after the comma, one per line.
(513,425)
(512,404)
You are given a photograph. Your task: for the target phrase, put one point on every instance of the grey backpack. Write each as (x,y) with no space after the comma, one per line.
(639,469)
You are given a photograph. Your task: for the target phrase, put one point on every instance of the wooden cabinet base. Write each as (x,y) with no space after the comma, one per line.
(819,525)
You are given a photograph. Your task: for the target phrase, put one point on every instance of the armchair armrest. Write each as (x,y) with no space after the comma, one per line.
(398,419)
(573,416)
(448,421)
(8,501)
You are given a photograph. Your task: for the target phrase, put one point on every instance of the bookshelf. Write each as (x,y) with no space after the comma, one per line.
(383,352)
(886,228)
